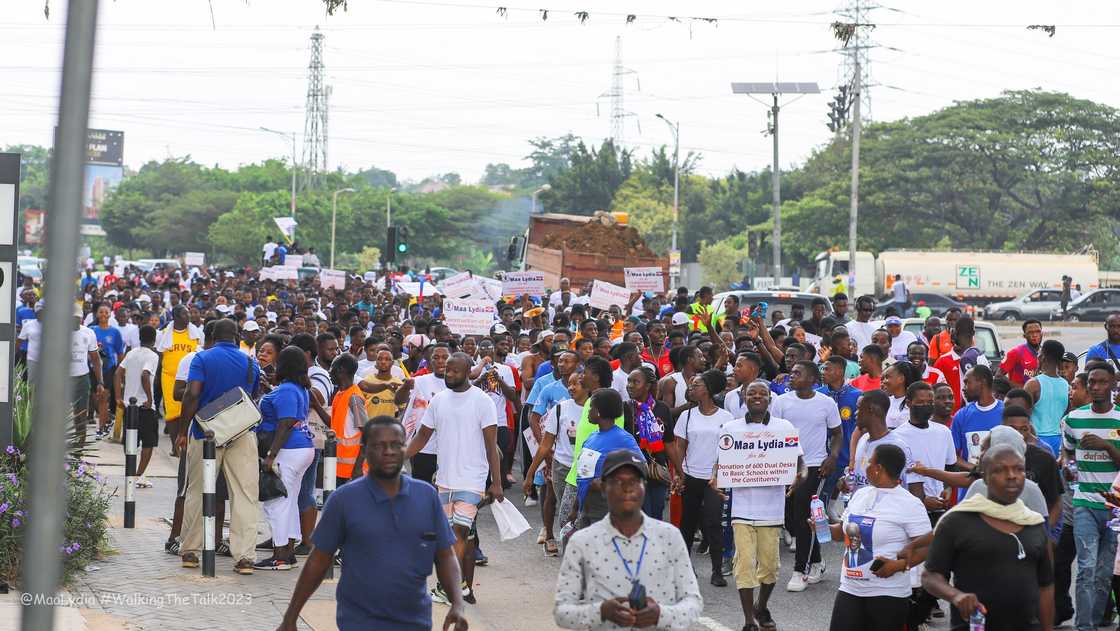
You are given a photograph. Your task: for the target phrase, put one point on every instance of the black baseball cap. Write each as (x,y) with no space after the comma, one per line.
(1069,357)
(619,458)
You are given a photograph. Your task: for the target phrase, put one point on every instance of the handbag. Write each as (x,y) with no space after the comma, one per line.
(270,486)
(231,415)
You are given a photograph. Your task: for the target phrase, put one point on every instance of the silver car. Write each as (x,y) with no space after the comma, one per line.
(1035,304)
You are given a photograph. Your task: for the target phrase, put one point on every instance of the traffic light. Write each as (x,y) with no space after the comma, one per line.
(391,244)
(402,240)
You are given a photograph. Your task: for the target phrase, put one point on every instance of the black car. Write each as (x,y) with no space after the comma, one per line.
(937,303)
(1094,306)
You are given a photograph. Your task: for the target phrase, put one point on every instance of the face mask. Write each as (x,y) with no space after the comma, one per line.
(921,413)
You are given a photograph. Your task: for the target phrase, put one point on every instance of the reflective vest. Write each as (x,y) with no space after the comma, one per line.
(349,443)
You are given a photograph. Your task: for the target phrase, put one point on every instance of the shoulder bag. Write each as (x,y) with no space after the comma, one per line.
(231,415)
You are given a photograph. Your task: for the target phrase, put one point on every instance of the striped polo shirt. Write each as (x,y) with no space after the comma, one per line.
(1095,469)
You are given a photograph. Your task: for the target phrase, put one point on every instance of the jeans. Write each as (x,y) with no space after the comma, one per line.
(1096,553)
(654,504)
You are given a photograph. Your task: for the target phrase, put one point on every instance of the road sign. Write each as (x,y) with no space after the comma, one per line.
(9,211)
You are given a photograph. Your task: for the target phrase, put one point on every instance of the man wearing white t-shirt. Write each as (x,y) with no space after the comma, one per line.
(32,333)
(83,355)
(464,421)
(757,514)
(817,419)
(628,360)
(134,380)
(419,392)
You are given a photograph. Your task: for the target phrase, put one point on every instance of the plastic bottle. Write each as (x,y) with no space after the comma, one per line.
(977,621)
(1072,468)
(820,520)
(849,481)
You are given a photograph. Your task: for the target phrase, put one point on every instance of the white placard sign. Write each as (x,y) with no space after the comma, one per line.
(757,458)
(461,285)
(194,258)
(645,279)
(469,317)
(333,278)
(277,272)
(531,442)
(604,294)
(523,284)
(293,260)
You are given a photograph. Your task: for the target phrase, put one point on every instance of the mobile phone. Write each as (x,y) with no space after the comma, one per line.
(637,596)
(876,564)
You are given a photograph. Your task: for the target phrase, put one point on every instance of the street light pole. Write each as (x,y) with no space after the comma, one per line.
(285,136)
(334,217)
(676,129)
(389,207)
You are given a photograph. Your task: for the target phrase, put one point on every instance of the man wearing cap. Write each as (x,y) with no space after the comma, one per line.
(622,554)
(900,339)
(680,322)
(250,332)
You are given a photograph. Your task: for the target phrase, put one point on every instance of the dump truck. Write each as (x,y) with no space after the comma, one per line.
(582,248)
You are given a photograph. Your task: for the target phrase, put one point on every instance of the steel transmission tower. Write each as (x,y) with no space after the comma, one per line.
(617,97)
(857,53)
(315,124)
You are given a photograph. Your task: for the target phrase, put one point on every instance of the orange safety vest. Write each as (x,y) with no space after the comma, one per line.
(349,445)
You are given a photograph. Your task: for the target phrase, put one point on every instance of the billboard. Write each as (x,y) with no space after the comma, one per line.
(34,226)
(105,147)
(99,180)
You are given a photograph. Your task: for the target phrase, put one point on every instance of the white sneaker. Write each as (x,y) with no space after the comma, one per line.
(816,573)
(797,583)
(541,538)
(530,501)
(143,482)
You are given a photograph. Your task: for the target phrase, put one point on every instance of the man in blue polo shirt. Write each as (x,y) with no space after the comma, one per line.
(846,397)
(371,520)
(214,372)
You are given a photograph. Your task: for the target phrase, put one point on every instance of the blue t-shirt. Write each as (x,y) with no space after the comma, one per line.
(846,399)
(1100,351)
(281,253)
(88,281)
(595,449)
(24,314)
(552,394)
(971,425)
(111,342)
(544,369)
(220,369)
(389,537)
(538,386)
(288,400)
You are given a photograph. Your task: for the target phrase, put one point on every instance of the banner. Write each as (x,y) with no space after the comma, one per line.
(333,278)
(293,260)
(194,258)
(645,279)
(757,458)
(469,317)
(461,285)
(287,226)
(523,284)
(604,294)
(277,272)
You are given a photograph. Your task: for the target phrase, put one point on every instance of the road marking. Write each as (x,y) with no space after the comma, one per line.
(712,624)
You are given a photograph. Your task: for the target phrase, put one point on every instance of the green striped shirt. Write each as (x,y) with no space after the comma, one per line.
(1096,470)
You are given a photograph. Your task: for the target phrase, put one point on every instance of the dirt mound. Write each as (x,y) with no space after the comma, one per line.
(596,237)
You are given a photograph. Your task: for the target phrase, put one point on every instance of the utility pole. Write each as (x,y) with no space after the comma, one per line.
(674,271)
(315,111)
(776,90)
(854,218)
(617,94)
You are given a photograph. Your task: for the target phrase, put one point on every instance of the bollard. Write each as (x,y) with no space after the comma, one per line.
(209,504)
(131,431)
(330,466)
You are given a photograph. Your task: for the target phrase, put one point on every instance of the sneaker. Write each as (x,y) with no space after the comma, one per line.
(530,501)
(172,547)
(223,549)
(541,537)
(265,545)
(480,559)
(718,580)
(797,583)
(551,548)
(440,596)
(750,626)
(244,566)
(271,563)
(302,549)
(727,569)
(143,482)
(468,595)
(292,561)
(765,620)
(816,573)
(190,560)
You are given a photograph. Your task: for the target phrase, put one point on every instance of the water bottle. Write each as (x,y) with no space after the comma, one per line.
(1114,523)
(849,481)
(820,520)
(1072,468)
(976,622)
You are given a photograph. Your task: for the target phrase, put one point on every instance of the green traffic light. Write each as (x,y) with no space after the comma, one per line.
(402,247)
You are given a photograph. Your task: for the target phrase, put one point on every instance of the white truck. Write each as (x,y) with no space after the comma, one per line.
(978,277)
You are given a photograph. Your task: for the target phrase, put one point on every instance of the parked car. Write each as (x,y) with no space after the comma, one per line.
(987,339)
(775,300)
(1094,306)
(440,274)
(937,303)
(1035,304)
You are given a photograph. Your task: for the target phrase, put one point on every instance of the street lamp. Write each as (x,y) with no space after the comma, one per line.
(676,129)
(540,190)
(389,207)
(334,217)
(284,135)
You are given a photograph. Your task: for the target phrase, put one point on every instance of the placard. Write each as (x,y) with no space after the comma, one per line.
(530,442)
(293,260)
(523,284)
(194,258)
(645,279)
(461,285)
(469,317)
(333,278)
(278,272)
(757,458)
(604,294)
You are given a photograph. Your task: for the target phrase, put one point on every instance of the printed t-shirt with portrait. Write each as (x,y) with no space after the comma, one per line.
(878,523)
(424,388)
(561,422)
(493,388)
(702,433)
(759,505)
(458,419)
(971,425)
(813,417)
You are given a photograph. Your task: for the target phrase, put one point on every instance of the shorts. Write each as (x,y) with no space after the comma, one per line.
(307,486)
(149,428)
(80,386)
(756,555)
(460,507)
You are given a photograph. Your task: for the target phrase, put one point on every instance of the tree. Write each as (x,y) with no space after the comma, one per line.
(379,178)
(590,181)
(720,260)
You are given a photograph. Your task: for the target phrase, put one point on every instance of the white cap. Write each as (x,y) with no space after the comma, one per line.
(251,325)
(680,318)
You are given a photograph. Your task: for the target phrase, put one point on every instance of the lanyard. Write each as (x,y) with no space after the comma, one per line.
(626,564)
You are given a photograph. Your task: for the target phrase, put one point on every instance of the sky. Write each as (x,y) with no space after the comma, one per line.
(424,87)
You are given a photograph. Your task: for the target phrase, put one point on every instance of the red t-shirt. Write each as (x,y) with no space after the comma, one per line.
(865,383)
(1020,364)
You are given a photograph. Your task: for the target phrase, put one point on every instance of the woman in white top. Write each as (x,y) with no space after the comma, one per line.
(880,520)
(694,458)
(896,380)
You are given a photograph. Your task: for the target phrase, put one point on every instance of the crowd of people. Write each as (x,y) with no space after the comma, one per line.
(946,477)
